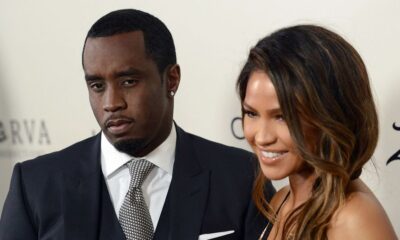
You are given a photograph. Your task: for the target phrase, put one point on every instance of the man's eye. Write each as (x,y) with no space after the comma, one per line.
(129,82)
(96,86)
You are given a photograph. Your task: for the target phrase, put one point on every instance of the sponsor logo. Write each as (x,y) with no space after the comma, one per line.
(24,132)
(21,139)
(237,128)
(396,155)
(237,132)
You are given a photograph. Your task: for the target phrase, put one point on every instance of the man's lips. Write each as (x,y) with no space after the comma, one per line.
(118,126)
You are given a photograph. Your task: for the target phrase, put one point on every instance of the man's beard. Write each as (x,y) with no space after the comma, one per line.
(131,146)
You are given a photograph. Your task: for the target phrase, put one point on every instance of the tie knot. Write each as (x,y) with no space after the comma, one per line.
(139,169)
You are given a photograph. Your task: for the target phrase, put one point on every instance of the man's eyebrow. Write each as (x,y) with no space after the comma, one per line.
(90,78)
(128,72)
(123,73)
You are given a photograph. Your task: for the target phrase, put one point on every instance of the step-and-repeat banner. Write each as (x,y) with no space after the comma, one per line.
(43,98)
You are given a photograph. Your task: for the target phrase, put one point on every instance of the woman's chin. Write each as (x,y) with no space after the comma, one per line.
(273,175)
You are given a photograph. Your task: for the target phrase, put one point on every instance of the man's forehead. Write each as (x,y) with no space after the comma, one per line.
(134,38)
(124,45)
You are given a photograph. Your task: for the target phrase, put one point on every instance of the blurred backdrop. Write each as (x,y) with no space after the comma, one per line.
(43,98)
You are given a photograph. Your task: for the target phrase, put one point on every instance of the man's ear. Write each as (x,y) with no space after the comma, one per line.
(173,77)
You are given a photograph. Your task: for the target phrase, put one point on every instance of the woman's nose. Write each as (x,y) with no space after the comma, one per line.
(265,135)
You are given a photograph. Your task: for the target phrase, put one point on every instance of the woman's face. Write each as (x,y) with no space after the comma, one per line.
(266,130)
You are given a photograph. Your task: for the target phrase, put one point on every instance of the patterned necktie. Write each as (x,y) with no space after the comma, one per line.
(134,214)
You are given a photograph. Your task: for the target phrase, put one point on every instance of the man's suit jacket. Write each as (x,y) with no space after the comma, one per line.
(63,195)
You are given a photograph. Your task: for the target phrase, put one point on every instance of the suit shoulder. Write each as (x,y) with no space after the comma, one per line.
(219,149)
(61,158)
(217,156)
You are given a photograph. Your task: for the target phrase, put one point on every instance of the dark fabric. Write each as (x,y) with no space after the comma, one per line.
(63,195)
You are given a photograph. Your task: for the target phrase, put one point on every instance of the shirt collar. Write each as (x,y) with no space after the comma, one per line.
(163,156)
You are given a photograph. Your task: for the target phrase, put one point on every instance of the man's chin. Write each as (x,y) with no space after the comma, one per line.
(132,147)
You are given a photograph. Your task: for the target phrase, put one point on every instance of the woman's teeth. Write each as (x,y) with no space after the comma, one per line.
(271,154)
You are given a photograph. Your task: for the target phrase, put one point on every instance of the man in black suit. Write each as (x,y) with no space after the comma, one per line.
(196,189)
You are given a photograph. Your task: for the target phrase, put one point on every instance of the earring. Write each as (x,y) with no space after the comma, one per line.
(172,93)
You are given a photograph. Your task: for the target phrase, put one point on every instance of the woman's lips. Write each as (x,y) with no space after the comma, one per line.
(271,157)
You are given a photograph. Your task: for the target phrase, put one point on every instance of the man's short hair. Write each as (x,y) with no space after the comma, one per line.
(158,41)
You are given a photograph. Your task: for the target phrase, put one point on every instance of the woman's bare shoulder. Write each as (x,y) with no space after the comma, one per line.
(361,217)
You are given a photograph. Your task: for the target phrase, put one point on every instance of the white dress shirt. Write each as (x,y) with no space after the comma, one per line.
(155,186)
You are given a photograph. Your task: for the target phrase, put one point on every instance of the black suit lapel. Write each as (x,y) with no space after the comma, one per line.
(187,196)
(188,201)
(110,228)
(89,213)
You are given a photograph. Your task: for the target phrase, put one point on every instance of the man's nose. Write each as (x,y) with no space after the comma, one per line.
(113,100)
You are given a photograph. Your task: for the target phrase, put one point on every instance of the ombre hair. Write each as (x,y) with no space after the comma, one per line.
(322,84)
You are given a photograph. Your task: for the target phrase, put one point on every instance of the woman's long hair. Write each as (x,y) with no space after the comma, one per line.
(322,84)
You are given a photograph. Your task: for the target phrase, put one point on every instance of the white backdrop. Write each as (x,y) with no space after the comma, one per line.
(43,98)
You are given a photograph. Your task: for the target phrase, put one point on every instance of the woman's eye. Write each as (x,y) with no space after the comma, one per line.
(280,117)
(249,114)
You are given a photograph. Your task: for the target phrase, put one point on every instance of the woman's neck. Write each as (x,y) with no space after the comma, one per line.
(300,185)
